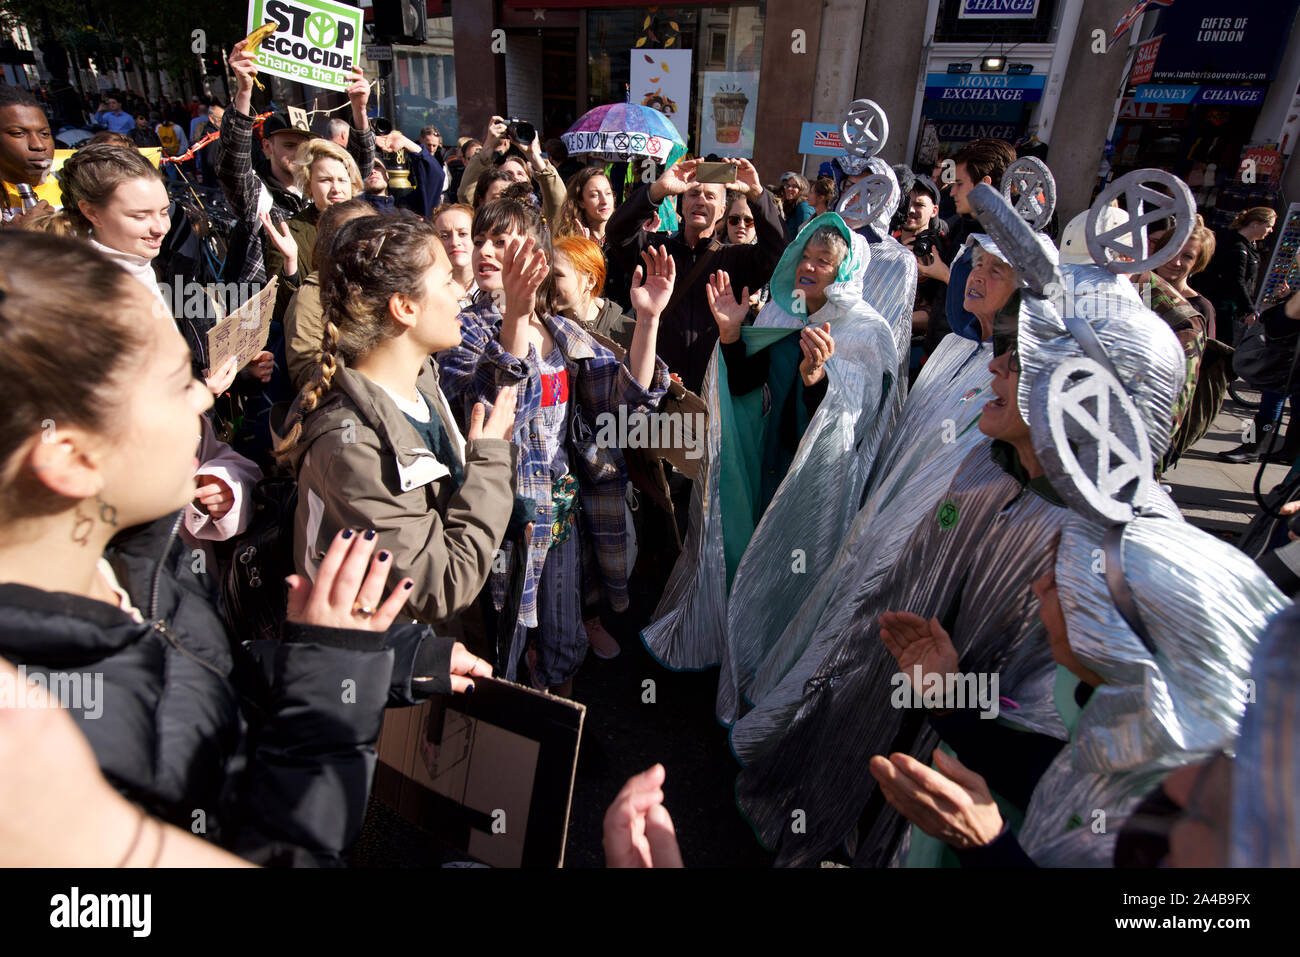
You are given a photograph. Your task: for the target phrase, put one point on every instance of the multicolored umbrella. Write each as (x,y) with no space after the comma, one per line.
(623,131)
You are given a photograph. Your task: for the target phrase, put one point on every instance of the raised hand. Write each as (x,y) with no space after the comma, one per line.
(952,803)
(728,313)
(746,178)
(523,268)
(283,241)
(914,641)
(345,594)
(244,65)
(359,95)
(650,298)
(817,346)
(675,180)
(500,424)
(496,131)
(638,831)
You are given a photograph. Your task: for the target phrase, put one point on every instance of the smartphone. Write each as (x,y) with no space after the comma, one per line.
(715,173)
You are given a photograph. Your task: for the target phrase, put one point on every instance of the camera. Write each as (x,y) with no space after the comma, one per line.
(923,248)
(521,131)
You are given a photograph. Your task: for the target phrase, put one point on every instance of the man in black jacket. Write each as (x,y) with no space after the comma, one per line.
(687,332)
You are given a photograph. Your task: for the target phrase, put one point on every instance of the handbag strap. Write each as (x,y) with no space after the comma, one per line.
(701,266)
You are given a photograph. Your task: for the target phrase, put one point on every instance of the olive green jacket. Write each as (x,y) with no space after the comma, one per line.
(362,465)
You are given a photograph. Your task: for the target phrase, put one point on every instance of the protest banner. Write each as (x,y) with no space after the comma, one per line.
(316,42)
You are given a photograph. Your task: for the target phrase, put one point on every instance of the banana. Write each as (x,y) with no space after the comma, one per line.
(254,40)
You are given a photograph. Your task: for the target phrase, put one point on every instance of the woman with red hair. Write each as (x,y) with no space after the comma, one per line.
(579,273)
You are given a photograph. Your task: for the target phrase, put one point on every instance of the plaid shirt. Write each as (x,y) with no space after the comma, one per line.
(599,384)
(243,184)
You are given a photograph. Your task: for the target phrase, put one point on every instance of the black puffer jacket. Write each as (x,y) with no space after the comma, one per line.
(1230,279)
(266,748)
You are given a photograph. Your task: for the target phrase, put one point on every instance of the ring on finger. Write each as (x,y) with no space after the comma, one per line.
(365,611)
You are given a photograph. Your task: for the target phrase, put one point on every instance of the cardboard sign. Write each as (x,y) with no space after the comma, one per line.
(244,332)
(489,773)
(317,42)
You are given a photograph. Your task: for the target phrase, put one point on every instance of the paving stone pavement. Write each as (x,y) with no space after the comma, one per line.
(1218,496)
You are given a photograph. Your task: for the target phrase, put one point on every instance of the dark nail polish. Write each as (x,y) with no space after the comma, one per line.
(408,586)
(370,534)
(469,690)
(347,533)
(384,556)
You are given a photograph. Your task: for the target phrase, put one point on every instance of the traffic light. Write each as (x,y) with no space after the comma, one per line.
(400,21)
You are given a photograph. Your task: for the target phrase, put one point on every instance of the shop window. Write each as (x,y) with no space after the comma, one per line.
(723,39)
(951,27)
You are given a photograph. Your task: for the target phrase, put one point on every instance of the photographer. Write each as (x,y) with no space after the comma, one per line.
(523,147)
(923,232)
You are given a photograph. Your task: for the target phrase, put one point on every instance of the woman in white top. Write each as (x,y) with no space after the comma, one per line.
(114,198)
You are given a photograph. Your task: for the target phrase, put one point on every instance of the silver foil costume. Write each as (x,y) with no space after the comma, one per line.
(890,283)
(1201,602)
(936,431)
(696,624)
(1265,830)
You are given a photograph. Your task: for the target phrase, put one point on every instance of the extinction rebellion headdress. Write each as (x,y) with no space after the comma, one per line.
(1165,613)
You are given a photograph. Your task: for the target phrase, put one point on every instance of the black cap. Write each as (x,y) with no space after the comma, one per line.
(924,184)
(279,123)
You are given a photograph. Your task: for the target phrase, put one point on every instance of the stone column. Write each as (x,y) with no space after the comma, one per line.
(1087,103)
(891,59)
(480,73)
(785,87)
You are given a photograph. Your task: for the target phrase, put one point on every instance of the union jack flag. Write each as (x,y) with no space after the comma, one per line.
(1126,22)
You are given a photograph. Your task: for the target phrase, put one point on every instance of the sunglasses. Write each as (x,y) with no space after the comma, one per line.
(1005,343)
(737,220)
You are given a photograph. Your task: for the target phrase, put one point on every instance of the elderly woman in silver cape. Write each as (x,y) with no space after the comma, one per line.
(765,522)
(916,463)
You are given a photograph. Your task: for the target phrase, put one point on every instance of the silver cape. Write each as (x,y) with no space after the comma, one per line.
(695,624)
(1266,770)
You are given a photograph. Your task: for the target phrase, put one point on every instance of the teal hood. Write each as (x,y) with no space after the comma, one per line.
(844,292)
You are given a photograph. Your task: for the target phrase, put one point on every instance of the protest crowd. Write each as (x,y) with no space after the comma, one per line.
(826,422)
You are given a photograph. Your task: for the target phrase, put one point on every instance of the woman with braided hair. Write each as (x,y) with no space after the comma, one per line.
(374,443)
